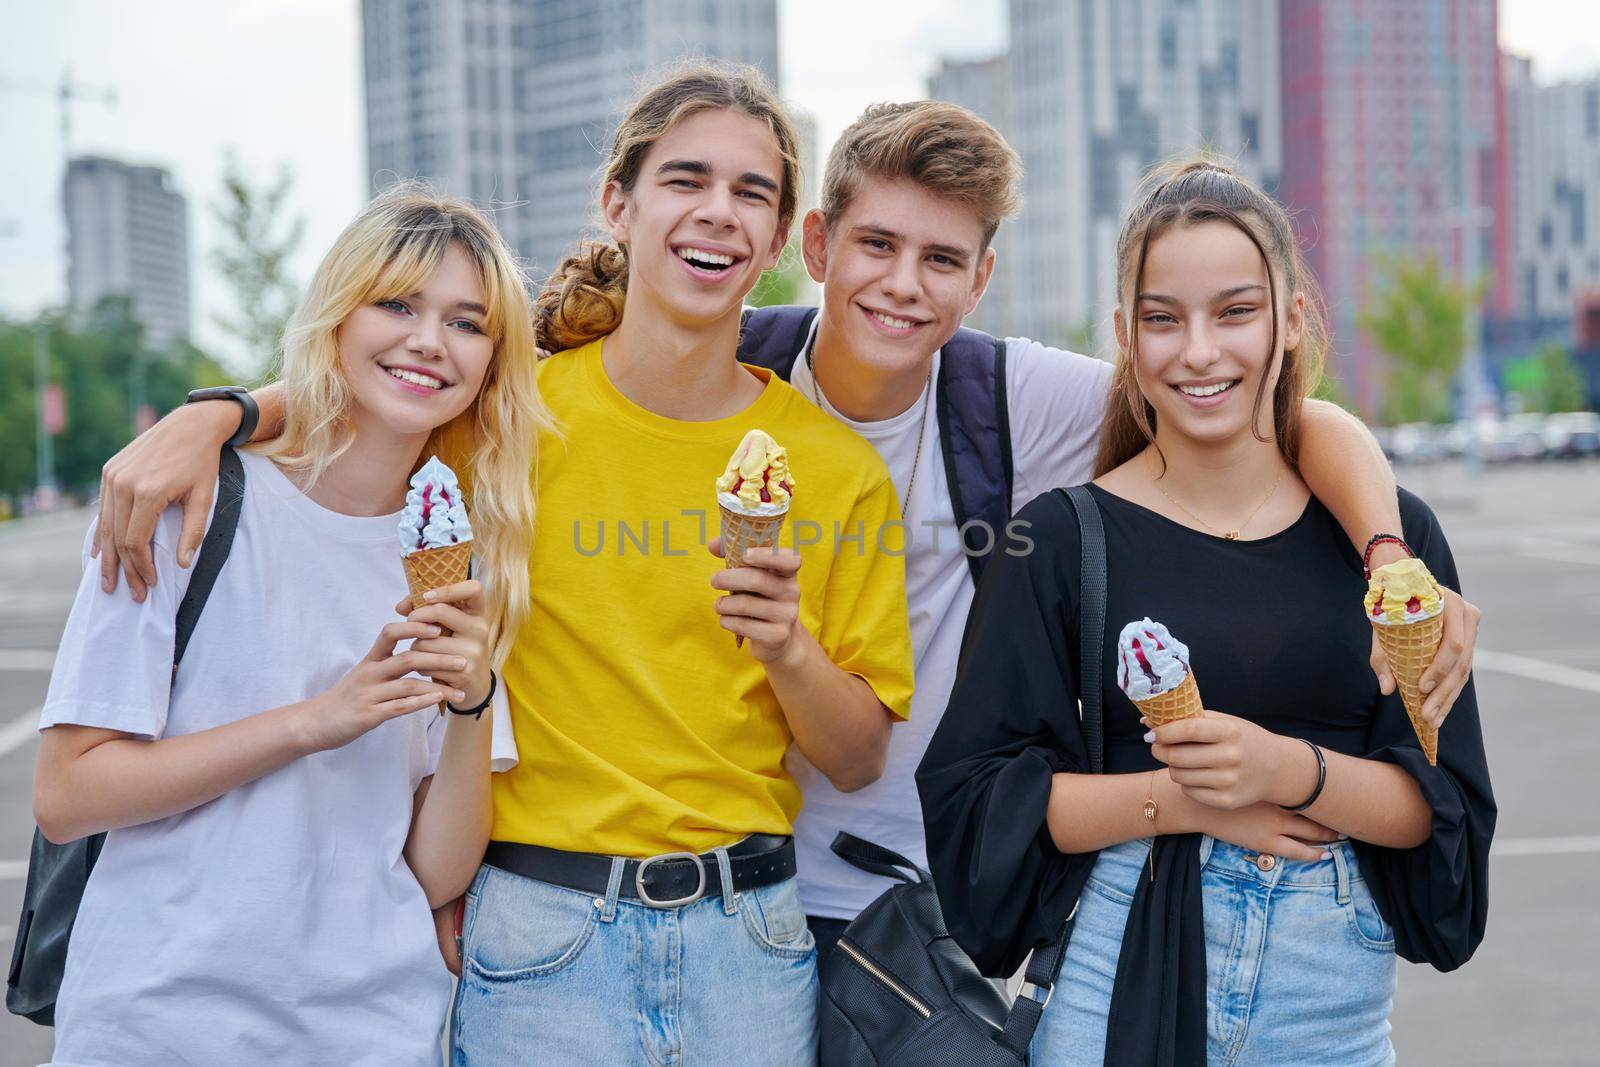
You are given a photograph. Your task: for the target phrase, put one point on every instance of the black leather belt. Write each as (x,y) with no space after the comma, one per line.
(669,880)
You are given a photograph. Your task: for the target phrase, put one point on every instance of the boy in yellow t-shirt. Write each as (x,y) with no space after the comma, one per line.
(641,728)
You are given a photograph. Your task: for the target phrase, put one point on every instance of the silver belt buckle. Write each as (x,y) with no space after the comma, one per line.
(678,902)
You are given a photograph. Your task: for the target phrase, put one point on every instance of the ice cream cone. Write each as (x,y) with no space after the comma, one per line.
(741,532)
(431,568)
(1180,703)
(1410,647)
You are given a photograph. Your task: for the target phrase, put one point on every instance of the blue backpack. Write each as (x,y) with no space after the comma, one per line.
(970,401)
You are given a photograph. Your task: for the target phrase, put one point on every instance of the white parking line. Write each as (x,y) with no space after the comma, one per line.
(27,659)
(12,869)
(19,731)
(1536,669)
(1545,846)
(1559,551)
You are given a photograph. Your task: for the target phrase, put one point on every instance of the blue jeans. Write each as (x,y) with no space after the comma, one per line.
(554,977)
(1300,967)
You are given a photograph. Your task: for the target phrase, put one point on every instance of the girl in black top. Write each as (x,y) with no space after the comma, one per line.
(1225,927)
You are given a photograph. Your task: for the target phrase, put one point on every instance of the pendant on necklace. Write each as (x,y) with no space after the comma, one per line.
(1231,535)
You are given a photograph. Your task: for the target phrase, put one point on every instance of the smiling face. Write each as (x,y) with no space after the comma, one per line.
(901,267)
(415,362)
(701,221)
(1205,333)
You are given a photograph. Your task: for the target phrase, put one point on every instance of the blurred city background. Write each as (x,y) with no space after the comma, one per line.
(174,170)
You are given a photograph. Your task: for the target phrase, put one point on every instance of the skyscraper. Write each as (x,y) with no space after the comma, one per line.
(128,235)
(1553,134)
(513,102)
(983,86)
(1392,146)
(1100,91)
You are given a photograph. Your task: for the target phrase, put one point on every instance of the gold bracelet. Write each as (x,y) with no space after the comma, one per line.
(1151,808)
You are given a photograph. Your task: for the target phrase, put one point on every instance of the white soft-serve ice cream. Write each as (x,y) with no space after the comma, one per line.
(1150,661)
(434,515)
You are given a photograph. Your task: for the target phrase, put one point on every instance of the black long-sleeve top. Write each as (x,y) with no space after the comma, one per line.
(1277,635)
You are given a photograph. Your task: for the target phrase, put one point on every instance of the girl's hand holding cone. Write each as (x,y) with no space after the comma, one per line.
(457,611)
(1227,762)
(763,601)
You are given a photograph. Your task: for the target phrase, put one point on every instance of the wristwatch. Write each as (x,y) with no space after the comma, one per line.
(249,414)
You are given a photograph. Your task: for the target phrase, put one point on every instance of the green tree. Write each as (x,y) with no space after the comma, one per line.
(1548,380)
(785,283)
(1419,321)
(254,259)
(102,366)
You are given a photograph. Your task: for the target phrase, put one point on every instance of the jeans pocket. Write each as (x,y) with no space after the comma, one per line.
(1366,921)
(776,921)
(522,928)
(1110,892)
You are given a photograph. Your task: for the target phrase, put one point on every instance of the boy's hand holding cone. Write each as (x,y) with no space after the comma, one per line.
(753,495)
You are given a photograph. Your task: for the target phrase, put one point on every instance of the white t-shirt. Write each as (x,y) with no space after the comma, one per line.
(278,924)
(1056,400)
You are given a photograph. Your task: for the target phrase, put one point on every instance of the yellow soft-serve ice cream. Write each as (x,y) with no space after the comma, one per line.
(757,475)
(1407,613)
(753,495)
(1402,592)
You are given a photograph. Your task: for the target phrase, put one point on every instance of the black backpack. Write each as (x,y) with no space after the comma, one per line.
(57,874)
(970,401)
(899,990)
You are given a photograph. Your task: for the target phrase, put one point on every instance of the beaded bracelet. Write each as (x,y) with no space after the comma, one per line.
(1382,539)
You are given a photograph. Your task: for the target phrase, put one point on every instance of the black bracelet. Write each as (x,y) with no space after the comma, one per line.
(494,682)
(1322,778)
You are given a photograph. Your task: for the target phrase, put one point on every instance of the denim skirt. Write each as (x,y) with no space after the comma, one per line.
(1300,966)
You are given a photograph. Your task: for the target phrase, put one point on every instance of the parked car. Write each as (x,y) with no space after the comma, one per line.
(1572,434)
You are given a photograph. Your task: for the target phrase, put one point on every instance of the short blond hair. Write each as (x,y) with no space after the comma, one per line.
(942,147)
(391,249)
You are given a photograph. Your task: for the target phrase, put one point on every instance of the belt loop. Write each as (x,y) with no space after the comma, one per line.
(1341,871)
(730,900)
(613,889)
(1206,842)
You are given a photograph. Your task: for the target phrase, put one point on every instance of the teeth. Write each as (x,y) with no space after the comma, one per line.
(699,256)
(414,378)
(892,322)
(1206,390)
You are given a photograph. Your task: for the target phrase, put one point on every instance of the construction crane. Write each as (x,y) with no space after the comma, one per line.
(66,92)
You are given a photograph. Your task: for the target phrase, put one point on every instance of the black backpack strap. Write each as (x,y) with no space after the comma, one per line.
(774,337)
(1044,966)
(875,859)
(213,550)
(975,436)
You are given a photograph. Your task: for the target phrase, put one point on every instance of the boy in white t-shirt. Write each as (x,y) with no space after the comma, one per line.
(282,811)
(911,199)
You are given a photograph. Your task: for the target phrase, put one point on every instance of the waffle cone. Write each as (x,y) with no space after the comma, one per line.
(741,532)
(1180,703)
(431,568)
(1410,648)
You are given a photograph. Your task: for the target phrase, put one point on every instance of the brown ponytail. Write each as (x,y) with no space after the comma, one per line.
(583,298)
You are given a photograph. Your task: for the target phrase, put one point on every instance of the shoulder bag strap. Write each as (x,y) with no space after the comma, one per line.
(213,550)
(1044,965)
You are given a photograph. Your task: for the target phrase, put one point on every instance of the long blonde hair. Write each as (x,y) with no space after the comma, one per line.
(583,297)
(1187,194)
(390,250)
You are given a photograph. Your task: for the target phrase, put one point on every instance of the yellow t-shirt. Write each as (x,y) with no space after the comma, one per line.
(640,727)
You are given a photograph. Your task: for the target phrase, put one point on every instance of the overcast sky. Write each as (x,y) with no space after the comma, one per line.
(280,81)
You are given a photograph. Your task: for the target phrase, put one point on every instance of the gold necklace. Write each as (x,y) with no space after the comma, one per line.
(1230,535)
